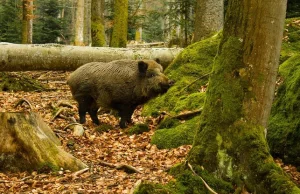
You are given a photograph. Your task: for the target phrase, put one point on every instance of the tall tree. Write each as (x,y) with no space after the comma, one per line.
(27,21)
(209,18)
(119,33)
(10,21)
(97,28)
(230,141)
(79,23)
(47,25)
(87,23)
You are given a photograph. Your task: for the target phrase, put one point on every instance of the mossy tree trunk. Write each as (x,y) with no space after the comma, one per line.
(230,141)
(27,143)
(209,18)
(119,33)
(98,31)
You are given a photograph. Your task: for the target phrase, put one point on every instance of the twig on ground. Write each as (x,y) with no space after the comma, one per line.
(203,76)
(20,102)
(206,185)
(79,172)
(127,168)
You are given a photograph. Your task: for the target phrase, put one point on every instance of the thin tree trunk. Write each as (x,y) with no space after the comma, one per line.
(230,141)
(119,33)
(79,24)
(209,18)
(27,23)
(87,23)
(98,31)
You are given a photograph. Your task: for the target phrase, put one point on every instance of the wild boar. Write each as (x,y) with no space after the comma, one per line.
(121,85)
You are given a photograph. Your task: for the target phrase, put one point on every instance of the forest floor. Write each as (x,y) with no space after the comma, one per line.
(93,148)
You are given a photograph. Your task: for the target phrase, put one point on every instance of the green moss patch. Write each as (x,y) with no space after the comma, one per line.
(19,82)
(190,71)
(291,41)
(138,129)
(284,124)
(175,136)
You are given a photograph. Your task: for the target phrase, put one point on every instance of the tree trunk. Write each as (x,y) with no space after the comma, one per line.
(119,33)
(209,18)
(27,6)
(230,141)
(87,23)
(79,24)
(98,31)
(27,143)
(16,57)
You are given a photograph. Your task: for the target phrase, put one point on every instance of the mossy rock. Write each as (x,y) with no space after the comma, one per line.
(190,71)
(103,128)
(284,124)
(177,135)
(19,82)
(138,129)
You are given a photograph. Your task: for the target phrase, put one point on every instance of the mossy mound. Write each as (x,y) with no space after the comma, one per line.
(19,82)
(190,71)
(284,124)
(291,41)
(187,182)
(176,135)
(138,129)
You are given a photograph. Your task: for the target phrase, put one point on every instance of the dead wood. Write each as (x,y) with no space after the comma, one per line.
(27,143)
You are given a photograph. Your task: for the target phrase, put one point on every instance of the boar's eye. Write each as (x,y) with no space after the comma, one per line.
(151,75)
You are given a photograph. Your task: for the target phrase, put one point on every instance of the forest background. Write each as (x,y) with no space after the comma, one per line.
(54,21)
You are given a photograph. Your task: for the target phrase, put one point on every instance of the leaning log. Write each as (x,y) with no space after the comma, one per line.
(22,57)
(27,143)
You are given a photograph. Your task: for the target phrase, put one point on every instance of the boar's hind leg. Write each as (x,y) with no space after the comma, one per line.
(87,104)
(93,112)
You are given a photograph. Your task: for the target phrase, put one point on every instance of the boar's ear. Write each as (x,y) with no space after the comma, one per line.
(157,60)
(142,67)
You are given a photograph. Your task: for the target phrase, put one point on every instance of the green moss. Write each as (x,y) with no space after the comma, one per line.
(291,42)
(138,129)
(284,124)
(19,82)
(182,134)
(98,34)
(190,72)
(103,128)
(168,122)
(187,70)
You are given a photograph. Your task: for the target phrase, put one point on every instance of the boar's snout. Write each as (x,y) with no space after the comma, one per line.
(166,85)
(171,82)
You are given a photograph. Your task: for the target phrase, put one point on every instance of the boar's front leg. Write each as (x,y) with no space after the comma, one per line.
(125,112)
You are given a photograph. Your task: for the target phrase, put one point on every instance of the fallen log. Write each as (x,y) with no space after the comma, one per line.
(29,57)
(27,143)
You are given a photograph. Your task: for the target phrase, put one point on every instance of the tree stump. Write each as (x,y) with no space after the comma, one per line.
(27,143)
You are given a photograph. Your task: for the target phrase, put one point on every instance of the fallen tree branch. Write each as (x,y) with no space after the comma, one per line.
(206,185)
(203,76)
(187,114)
(20,102)
(127,168)
(79,172)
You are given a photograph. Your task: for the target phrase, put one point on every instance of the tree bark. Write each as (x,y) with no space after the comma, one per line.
(119,33)
(230,141)
(98,31)
(17,57)
(209,18)
(27,143)
(79,24)
(27,22)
